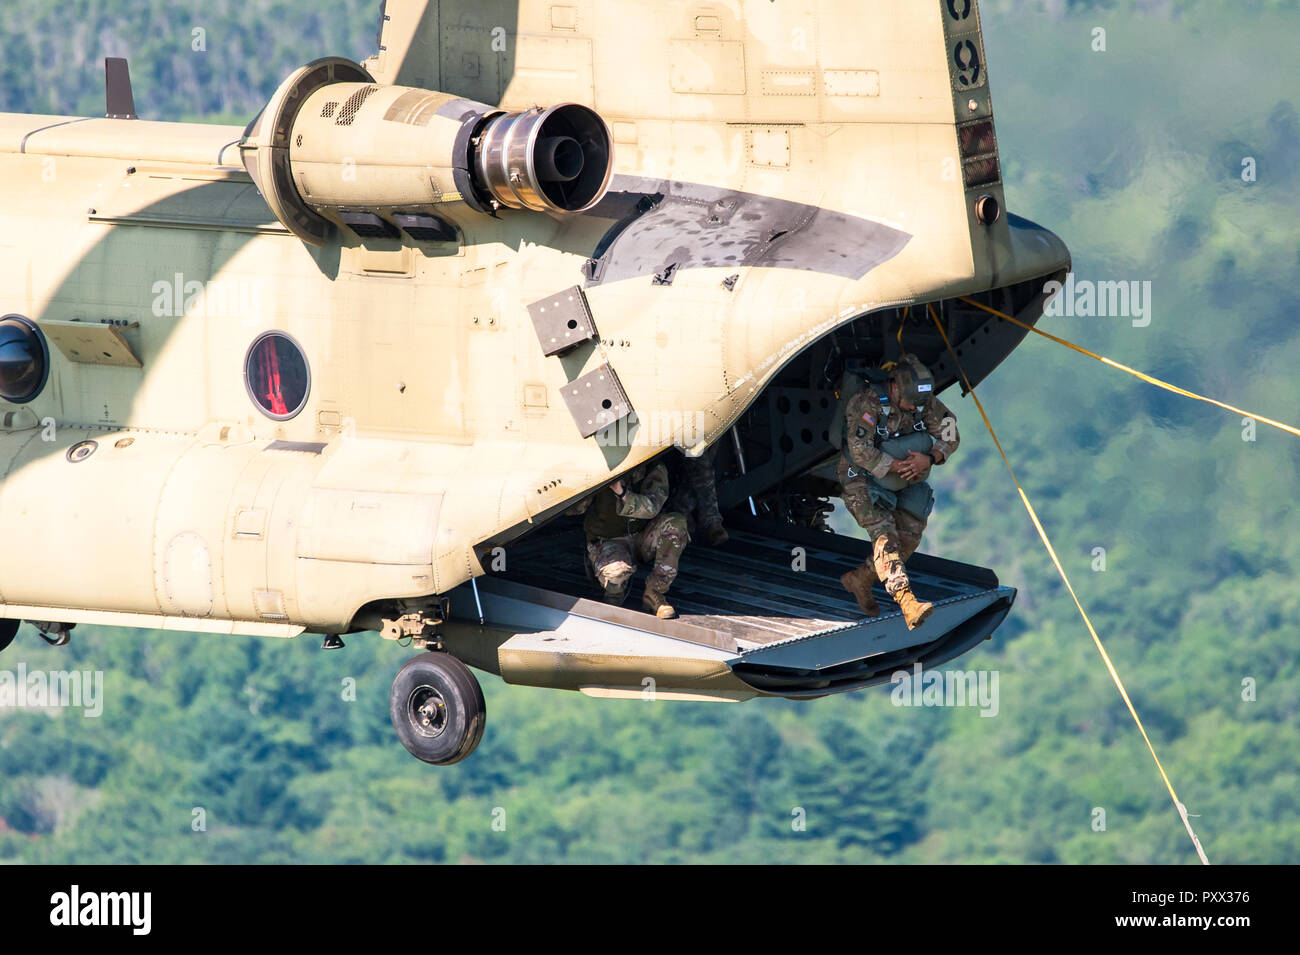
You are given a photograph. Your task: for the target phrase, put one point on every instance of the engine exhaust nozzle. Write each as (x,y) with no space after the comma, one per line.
(559,159)
(549,160)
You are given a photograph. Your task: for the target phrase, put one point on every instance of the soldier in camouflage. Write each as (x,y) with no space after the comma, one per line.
(626,523)
(696,496)
(894,522)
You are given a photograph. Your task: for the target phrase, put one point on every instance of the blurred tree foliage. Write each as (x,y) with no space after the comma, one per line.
(237,749)
(210,60)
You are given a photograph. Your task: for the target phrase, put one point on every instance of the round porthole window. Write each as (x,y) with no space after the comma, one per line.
(24,359)
(277,375)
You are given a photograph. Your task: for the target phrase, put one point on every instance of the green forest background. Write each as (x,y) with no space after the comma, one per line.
(1135,157)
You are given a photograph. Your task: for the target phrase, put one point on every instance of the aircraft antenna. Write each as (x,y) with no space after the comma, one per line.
(119,101)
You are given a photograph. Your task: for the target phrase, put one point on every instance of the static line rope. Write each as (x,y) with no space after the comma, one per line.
(1132,371)
(1051,551)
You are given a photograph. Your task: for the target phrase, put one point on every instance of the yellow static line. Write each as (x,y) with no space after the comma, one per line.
(1051,551)
(1125,368)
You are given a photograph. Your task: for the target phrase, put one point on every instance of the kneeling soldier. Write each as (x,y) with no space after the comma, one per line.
(626,524)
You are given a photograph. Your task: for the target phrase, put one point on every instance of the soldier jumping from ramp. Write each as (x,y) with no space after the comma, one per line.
(893,435)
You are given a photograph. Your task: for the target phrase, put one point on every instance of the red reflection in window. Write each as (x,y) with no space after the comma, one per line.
(267,384)
(277,375)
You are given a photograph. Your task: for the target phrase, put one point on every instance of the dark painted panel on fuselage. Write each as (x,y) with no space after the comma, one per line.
(665,227)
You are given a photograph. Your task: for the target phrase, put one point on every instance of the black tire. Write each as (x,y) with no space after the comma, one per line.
(437,708)
(8,630)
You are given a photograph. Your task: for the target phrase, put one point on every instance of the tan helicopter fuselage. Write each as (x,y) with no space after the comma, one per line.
(435,425)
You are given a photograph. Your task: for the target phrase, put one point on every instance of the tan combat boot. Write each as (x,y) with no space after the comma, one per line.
(915,612)
(715,535)
(656,602)
(859,582)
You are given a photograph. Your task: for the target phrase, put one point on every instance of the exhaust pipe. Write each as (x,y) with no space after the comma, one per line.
(546,160)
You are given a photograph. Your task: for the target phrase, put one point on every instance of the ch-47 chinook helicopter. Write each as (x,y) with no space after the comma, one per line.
(345,370)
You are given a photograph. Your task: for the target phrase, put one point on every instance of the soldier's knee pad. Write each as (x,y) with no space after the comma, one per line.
(614,574)
(884,544)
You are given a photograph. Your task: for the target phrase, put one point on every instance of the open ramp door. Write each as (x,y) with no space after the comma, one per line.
(763,615)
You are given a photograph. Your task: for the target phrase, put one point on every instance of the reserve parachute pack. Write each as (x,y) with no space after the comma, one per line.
(900,447)
(892,491)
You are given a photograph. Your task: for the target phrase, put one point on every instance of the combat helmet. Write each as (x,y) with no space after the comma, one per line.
(915,383)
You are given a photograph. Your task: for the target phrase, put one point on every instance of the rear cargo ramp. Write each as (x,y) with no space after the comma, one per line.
(768,605)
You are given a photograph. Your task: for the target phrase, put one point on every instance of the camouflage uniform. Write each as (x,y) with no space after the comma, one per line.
(696,495)
(895,534)
(635,528)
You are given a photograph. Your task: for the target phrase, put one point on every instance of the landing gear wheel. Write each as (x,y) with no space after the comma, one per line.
(8,630)
(437,708)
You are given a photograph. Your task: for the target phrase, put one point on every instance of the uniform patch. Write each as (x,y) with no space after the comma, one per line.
(862,432)
(866,416)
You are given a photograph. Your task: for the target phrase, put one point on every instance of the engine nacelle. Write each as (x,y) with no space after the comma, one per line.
(332,145)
